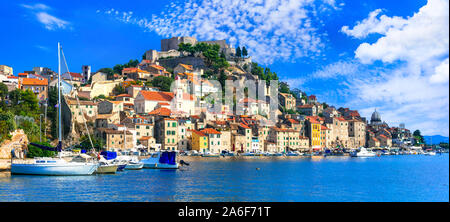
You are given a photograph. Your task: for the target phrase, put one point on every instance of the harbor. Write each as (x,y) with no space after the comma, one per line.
(249,178)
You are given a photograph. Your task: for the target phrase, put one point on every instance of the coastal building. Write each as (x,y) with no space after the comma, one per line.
(6,70)
(313,128)
(214,140)
(199,141)
(116,139)
(308,110)
(356,133)
(99,77)
(166,133)
(84,111)
(39,87)
(287,100)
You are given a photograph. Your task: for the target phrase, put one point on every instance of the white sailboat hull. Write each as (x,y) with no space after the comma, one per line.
(66,169)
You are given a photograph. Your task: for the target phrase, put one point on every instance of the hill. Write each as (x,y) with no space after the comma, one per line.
(436,139)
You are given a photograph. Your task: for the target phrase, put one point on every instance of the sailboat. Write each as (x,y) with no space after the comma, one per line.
(54,166)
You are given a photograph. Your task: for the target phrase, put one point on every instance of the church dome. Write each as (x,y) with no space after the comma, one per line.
(375,117)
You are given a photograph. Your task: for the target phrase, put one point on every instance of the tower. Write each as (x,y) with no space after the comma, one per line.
(86,73)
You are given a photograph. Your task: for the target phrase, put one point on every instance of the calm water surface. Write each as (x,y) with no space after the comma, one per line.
(386,178)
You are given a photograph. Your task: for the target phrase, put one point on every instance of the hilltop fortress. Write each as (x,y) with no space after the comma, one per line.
(169,49)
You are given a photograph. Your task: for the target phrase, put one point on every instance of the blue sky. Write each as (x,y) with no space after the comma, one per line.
(358,54)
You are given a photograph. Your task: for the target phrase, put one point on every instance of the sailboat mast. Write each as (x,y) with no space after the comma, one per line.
(59,96)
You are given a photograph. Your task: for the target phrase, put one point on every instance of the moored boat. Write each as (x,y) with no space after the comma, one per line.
(161,160)
(363,152)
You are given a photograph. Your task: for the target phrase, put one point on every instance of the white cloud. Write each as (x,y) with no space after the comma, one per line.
(340,68)
(413,85)
(49,21)
(270,29)
(419,39)
(441,73)
(372,24)
(37,6)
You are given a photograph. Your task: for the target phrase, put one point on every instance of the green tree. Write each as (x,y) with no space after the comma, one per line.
(162,82)
(244,52)
(3,94)
(238,52)
(284,88)
(34,151)
(418,136)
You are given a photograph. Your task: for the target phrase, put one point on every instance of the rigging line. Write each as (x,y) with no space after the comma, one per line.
(78,101)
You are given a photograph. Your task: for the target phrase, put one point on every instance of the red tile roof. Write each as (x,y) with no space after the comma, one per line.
(157,96)
(161,111)
(188,67)
(34,82)
(210,131)
(197,132)
(124,95)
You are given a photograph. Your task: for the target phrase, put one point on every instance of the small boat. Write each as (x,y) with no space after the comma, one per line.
(227,153)
(291,153)
(430,153)
(248,154)
(209,154)
(363,152)
(105,168)
(134,166)
(161,160)
(278,154)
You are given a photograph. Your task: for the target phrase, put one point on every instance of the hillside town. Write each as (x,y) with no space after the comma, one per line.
(161,103)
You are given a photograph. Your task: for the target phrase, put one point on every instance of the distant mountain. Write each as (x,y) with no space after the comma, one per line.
(436,139)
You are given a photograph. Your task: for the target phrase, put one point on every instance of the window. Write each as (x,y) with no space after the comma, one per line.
(174,124)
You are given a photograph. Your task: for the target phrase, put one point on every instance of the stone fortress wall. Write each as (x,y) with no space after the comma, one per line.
(169,48)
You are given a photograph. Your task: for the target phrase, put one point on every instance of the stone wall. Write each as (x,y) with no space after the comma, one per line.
(196,62)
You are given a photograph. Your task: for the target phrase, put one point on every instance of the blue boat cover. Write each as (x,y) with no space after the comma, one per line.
(109,155)
(168,158)
(83,151)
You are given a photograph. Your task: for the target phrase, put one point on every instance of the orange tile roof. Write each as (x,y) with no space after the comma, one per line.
(293,121)
(157,96)
(145,138)
(210,131)
(188,67)
(131,70)
(197,132)
(34,82)
(161,111)
(244,126)
(157,67)
(124,95)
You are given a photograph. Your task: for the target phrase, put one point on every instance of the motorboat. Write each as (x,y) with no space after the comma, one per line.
(292,153)
(209,154)
(248,154)
(363,152)
(430,153)
(161,160)
(134,164)
(106,166)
